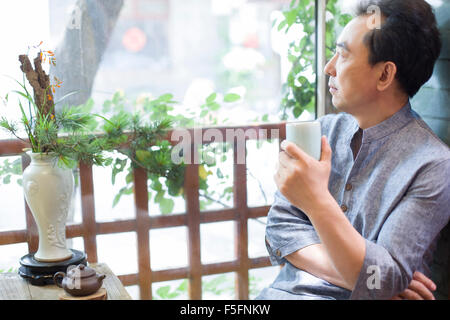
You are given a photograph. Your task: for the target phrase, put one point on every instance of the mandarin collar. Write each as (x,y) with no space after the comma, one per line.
(386,127)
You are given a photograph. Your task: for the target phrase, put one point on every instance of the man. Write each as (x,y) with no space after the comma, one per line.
(362,223)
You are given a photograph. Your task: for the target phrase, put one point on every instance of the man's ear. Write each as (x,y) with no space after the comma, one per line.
(387,72)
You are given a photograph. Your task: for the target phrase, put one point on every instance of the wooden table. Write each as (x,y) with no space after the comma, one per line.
(14,287)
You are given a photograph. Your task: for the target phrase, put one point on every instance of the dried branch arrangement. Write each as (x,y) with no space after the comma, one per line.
(39,81)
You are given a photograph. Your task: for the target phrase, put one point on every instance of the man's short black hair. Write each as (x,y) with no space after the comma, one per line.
(409,37)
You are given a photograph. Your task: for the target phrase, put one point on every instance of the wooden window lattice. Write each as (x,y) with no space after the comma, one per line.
(143,223)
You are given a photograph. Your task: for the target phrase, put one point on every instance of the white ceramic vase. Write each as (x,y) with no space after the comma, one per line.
(48,191)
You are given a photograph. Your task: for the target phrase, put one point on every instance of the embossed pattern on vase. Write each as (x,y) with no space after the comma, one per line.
(48,192)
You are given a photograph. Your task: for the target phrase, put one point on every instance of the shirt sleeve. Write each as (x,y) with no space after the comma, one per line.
(405,236)
(288,229)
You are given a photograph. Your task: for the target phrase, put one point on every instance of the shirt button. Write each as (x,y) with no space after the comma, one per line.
(348,187)
(344,208)
(278,253)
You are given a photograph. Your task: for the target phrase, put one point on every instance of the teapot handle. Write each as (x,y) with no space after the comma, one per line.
(56,276)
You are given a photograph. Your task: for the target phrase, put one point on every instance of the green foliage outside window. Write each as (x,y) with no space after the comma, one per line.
(299,89)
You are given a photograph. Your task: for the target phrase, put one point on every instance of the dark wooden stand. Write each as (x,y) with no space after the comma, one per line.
(41,273)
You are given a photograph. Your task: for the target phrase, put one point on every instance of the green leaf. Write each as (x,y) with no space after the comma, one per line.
(282,25)
(7,179)
(214,106)
(26,96)
(211,98)
(159,196)
(231,97)
(292,58)
(108,162)
(291,17)
(123,191)
(106,106)
(117,199)
(163,291)
(183,286)
(66,96)
(157,186)
(166,97)
(116,97)
(129,177)
(274,22)
(228,190)
(344,19)
(215,285)
(203,113)
(202,184)
(143,155)
(297,112)
(118,167)
(172,295)
(166,205)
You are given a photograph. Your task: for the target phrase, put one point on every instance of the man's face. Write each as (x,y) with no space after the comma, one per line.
(352,80)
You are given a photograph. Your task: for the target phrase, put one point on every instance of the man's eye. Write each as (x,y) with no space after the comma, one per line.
(340,53)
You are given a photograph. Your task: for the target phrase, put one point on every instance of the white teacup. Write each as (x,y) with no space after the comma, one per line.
(306,135)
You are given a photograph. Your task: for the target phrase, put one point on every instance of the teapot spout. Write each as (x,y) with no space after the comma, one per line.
(101,277)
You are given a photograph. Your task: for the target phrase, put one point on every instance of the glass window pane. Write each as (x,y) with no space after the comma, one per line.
(12,201)
(75,213)
(168,248)
(216,175)
(217,242)
(75,243)
(256,237)
(219,286)
(170,290)
(262,158)
(119,252)
(112,201)
(163,203)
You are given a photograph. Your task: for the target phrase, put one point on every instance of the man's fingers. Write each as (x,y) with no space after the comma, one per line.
(421,289)
(276,178)
(281,173)
(396,298)
(408,294)
(284,159)
(326,150)
(425,280)
(293,151)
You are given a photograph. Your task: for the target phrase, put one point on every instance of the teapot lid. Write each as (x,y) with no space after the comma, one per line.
(80,271)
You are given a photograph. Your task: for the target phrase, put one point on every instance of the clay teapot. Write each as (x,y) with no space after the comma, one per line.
(80,280)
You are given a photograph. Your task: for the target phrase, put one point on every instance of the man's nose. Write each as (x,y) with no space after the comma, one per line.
(330,67)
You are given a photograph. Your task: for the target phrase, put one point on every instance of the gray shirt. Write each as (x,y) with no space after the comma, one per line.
(395,193)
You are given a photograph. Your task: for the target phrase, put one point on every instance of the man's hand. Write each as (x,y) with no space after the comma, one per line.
(302,179)
(419,289)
